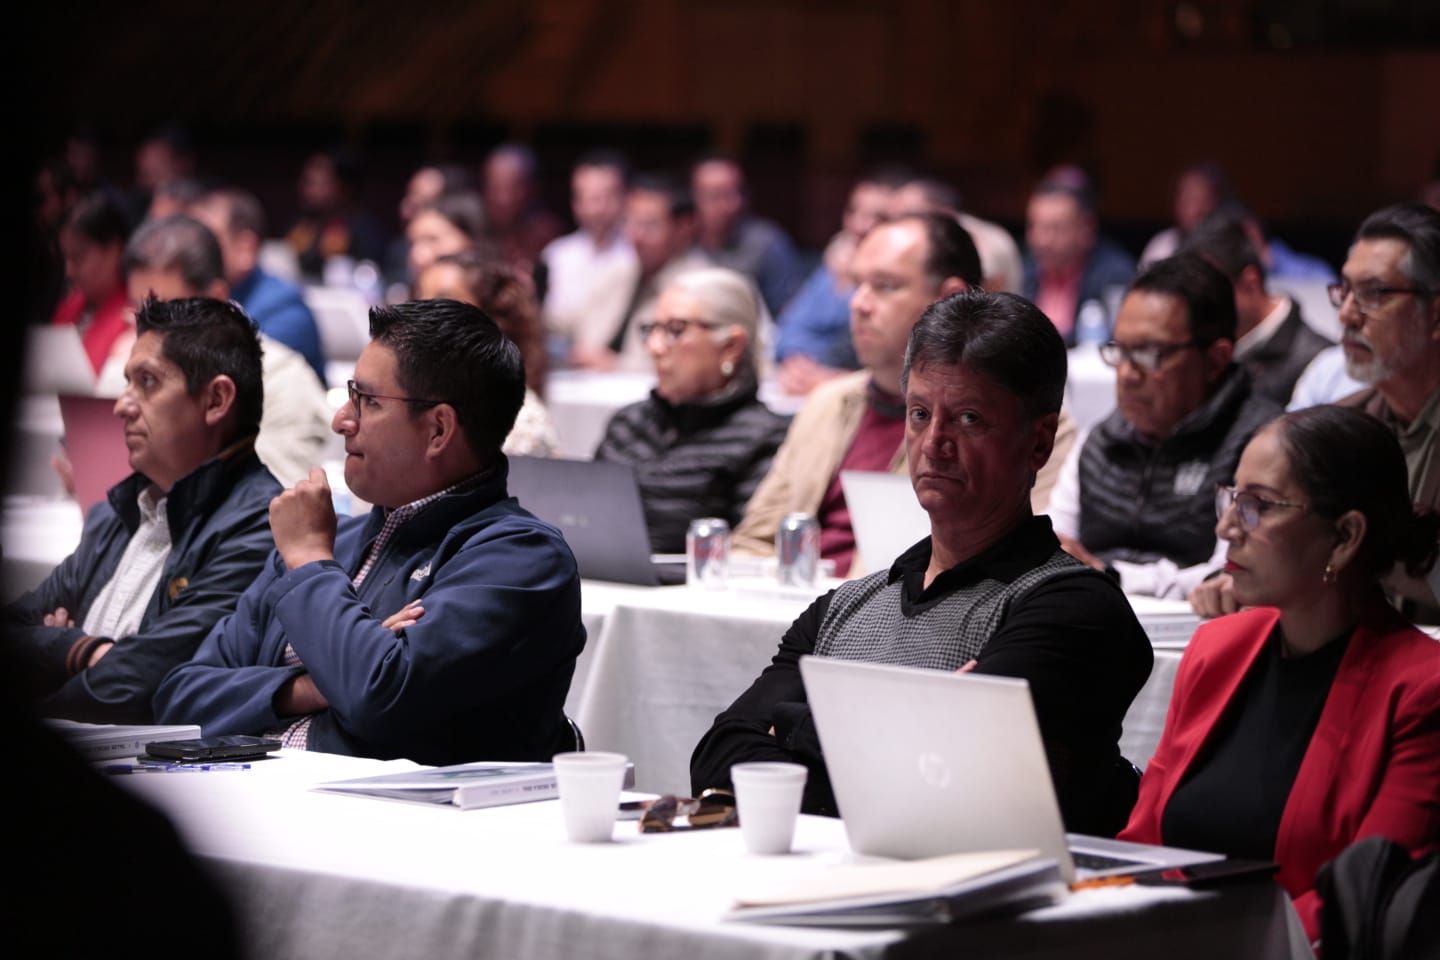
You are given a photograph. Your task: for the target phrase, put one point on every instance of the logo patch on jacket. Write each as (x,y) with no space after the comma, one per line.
(176,585)
(1190,477)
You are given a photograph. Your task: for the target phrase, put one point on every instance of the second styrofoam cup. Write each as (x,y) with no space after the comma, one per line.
(767,797)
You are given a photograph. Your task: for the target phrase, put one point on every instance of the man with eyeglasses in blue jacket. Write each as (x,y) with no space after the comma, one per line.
(444,626)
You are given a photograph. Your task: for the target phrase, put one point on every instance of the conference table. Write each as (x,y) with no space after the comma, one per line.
(321,875)
(659,662)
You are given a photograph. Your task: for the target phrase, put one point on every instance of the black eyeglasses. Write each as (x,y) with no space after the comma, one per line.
(1145,356)
(674,328)
(1368,296)
(1250,506)
(356,395)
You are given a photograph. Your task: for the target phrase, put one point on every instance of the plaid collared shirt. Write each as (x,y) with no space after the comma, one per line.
(297,735)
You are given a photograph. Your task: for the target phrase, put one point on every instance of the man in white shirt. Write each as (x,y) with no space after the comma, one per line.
(591,257)
(171,548)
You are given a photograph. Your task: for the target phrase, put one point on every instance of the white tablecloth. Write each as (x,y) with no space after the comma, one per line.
(661,662)
(1089,387)
(319,875)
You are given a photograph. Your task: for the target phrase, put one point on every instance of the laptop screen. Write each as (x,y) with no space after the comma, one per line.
(596,506)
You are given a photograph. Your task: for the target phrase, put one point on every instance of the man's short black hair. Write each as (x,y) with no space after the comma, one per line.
(177,242)
(951,249)
(999,335)
(675,191)
(243,211)
(1208,294)
(453,352)
(606,157)
(102,217)
(207,338)
(1072,182)
(1221,239)
(1414,224)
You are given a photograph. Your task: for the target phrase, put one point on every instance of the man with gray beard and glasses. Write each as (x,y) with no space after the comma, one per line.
(1389,302)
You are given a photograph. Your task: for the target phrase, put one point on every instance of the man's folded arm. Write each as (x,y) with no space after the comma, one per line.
(120,686)
(775,701)
(499,614)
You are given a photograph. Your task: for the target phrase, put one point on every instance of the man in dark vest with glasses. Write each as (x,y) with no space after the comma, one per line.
(1136,497)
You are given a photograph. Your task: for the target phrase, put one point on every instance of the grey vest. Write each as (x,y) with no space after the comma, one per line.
(864,620)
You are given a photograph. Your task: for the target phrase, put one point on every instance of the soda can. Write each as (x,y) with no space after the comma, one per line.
(707,553)
(797,550)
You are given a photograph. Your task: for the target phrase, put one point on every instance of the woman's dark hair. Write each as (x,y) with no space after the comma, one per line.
(102,217)
(1345,459)
(509,298)
(1000,335)
(462,209)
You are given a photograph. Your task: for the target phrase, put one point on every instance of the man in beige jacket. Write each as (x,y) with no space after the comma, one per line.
(856,421)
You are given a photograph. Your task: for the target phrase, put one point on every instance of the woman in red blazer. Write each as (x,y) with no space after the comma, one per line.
(1311,719)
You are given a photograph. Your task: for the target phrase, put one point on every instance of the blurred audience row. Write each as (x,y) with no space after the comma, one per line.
(681,279)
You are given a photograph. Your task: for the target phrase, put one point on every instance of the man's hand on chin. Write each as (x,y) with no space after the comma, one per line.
(302,520)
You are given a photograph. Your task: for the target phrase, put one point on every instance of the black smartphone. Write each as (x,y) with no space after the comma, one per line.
(1211,874)
(204,749)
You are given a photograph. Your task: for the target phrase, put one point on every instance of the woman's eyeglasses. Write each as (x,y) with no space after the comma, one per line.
(674,328)
(1250,506)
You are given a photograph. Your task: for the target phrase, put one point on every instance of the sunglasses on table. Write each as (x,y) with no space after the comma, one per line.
(672,814)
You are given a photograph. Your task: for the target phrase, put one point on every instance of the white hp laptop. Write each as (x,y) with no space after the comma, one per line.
(597,507)
(926,763)
(886,517)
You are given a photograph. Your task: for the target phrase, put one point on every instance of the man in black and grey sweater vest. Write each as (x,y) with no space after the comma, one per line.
(989,590)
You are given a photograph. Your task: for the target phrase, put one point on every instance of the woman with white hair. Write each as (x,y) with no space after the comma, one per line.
(702,441)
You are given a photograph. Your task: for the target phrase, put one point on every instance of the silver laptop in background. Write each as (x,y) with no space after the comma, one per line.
(596,506)
(926,763)
(886,517)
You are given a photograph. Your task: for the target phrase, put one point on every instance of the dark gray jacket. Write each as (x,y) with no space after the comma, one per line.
(220,536)
(1143,501)
(700,459)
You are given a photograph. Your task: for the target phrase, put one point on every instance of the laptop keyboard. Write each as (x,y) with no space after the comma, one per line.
(1098,861)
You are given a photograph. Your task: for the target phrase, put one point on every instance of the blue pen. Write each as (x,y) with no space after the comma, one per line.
(173,767)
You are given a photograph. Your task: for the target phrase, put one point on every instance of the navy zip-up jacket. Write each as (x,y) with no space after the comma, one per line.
(220,536)
(483,675)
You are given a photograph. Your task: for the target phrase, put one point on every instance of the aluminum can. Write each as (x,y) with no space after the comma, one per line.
(707,553)
(797,550)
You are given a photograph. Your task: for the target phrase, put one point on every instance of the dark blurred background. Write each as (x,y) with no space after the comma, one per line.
(1320,111)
